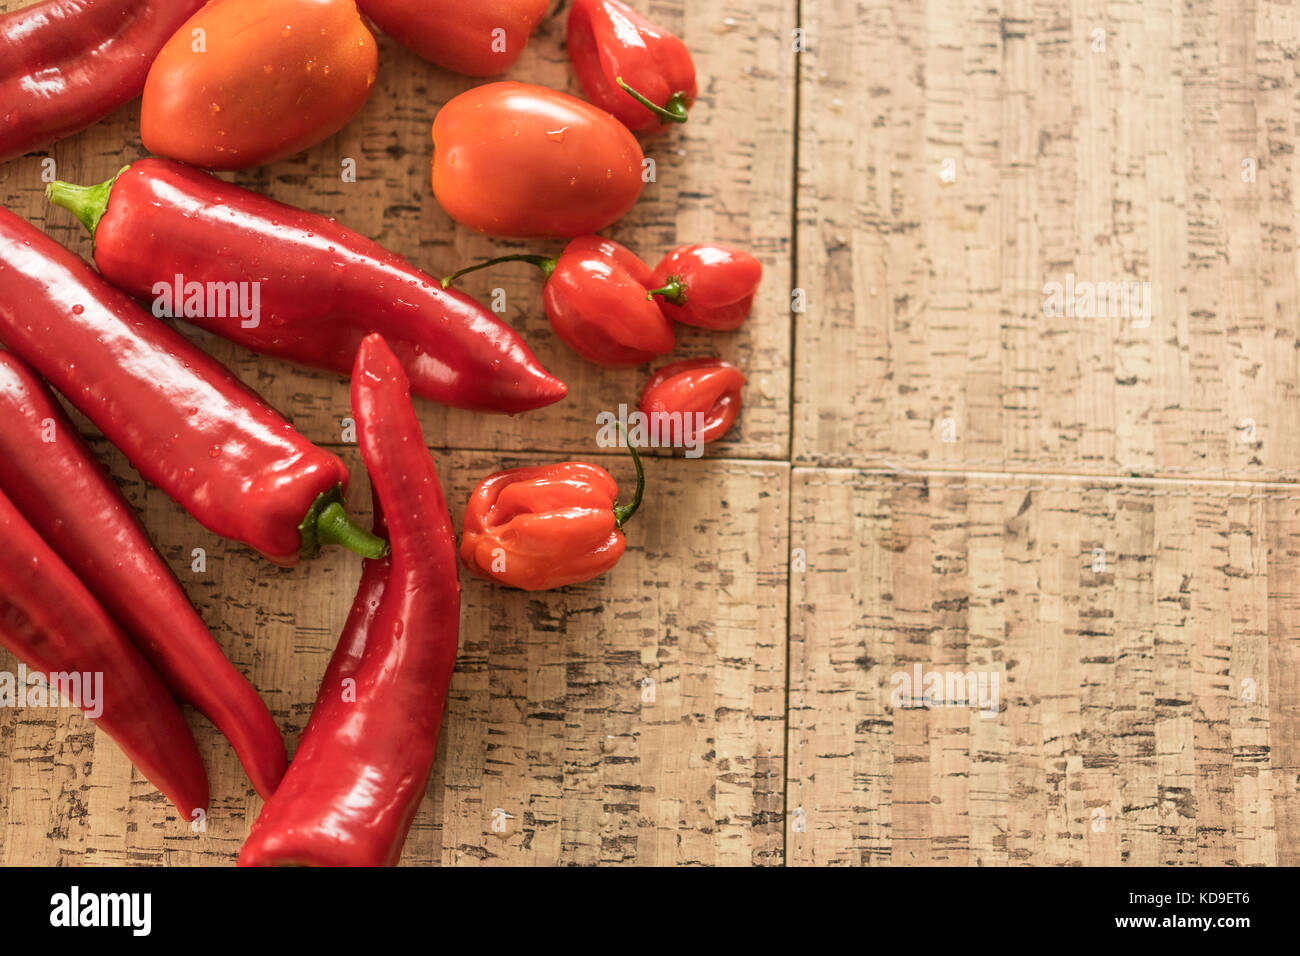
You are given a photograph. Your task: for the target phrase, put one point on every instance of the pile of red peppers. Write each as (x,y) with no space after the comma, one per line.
(82,586)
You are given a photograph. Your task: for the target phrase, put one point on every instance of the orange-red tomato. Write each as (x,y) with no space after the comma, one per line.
(524,161)
(264,79)
(478,38)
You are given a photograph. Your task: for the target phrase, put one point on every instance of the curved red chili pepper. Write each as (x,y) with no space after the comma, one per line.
(50,622)
(66,63)
(180,417)
(628,66)
(50,474)
(364,760)
(322,287)
(595,297)
(708,387)
(709,285)
(549,526)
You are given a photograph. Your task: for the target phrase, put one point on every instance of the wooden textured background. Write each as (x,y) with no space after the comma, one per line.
(930,471)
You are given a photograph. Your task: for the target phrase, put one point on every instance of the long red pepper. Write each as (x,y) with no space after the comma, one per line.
(186,423)
(66,63)
(52,623)
(50,474)
(364,760)
(322,287)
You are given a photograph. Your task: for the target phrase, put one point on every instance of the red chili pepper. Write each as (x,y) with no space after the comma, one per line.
(321,287)
(47,471)
(548,526)
(66,63)
(178,415)
(365,758)
(639,72)
(482,38)
(595,296)
(708,285)
(707,387)
(52,623)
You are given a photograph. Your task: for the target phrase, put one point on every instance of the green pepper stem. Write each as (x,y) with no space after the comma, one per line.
(547,265)
(623,512)
(87,203)
(326,522)
(674,111)
(333,526)
(673,291)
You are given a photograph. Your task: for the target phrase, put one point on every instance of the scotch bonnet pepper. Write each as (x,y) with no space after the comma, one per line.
(708,285)
(321,287)
(66,63)
(639,72)
(706,390)
(549,526)
(595,298)
(180,417)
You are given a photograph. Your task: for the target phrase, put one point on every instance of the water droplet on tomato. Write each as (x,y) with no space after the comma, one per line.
(78,309)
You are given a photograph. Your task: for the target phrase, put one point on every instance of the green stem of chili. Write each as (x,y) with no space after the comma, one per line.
(623,512)
(328,523)
(674,111)
(673,291)
(87,203)
(544,263)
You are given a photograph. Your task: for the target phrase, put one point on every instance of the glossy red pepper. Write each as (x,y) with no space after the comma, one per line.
(628,66)
(321,287)
(595,297)
(548,526)
(364,760)
(483,38)
(707,388)
(708,285)
(180,417)
(66,63)
(47,471)
(50,622)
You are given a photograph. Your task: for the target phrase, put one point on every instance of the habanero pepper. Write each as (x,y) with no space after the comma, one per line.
(364,760)
(641,73)
(66,63)
(708,285)
(706,388)
(180,416)
(482,38)
(548,526)
(47,471)
(595,296)
(50,622)
(321,287)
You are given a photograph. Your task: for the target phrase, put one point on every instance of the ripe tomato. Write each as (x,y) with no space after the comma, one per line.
(480,38)
(524,161)
(263,80)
